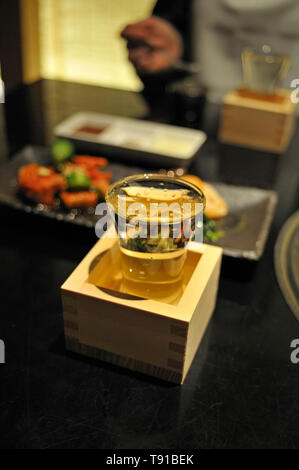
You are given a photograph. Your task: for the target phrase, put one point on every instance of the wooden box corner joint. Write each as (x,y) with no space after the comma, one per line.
(149,336)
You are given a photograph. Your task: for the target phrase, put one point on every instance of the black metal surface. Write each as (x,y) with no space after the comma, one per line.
(242,389)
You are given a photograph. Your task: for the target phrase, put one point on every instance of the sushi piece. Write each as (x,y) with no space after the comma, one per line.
(216,206)
(79,199)
(94,162)
(40,183)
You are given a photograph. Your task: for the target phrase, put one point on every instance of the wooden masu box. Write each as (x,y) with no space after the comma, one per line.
(259,121)
(155,337)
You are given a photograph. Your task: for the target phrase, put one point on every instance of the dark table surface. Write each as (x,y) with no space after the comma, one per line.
(242,389)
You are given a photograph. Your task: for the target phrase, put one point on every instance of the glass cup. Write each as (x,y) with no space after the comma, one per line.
(155,217)
(264,69)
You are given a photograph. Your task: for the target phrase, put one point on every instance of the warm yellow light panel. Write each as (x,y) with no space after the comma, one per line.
(80,40)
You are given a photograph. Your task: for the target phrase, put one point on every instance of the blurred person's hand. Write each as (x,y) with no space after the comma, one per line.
(154,44)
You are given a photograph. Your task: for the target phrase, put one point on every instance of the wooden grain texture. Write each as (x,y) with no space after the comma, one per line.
(202,316)
(257,123)
(148,336)
(123,361)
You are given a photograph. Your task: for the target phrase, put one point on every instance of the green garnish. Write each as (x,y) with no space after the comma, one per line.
(78,179)
(137,244)
(62,150)
(210,232)
(151,245)
(160,245)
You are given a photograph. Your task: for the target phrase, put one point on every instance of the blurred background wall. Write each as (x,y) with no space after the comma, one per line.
(80,42)
(71,40)
(65,40)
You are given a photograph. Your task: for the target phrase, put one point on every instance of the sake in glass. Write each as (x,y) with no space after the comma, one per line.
(155,217)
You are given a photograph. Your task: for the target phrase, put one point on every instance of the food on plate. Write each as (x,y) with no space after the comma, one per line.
(91,162)
(78,180)
(85,172)
(79,199)
(210,230)
(172,145)
(62,150)
(216,207)
(101,185)
(41,183)
(90,129)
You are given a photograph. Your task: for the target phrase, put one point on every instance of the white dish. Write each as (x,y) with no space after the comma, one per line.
(125,138)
